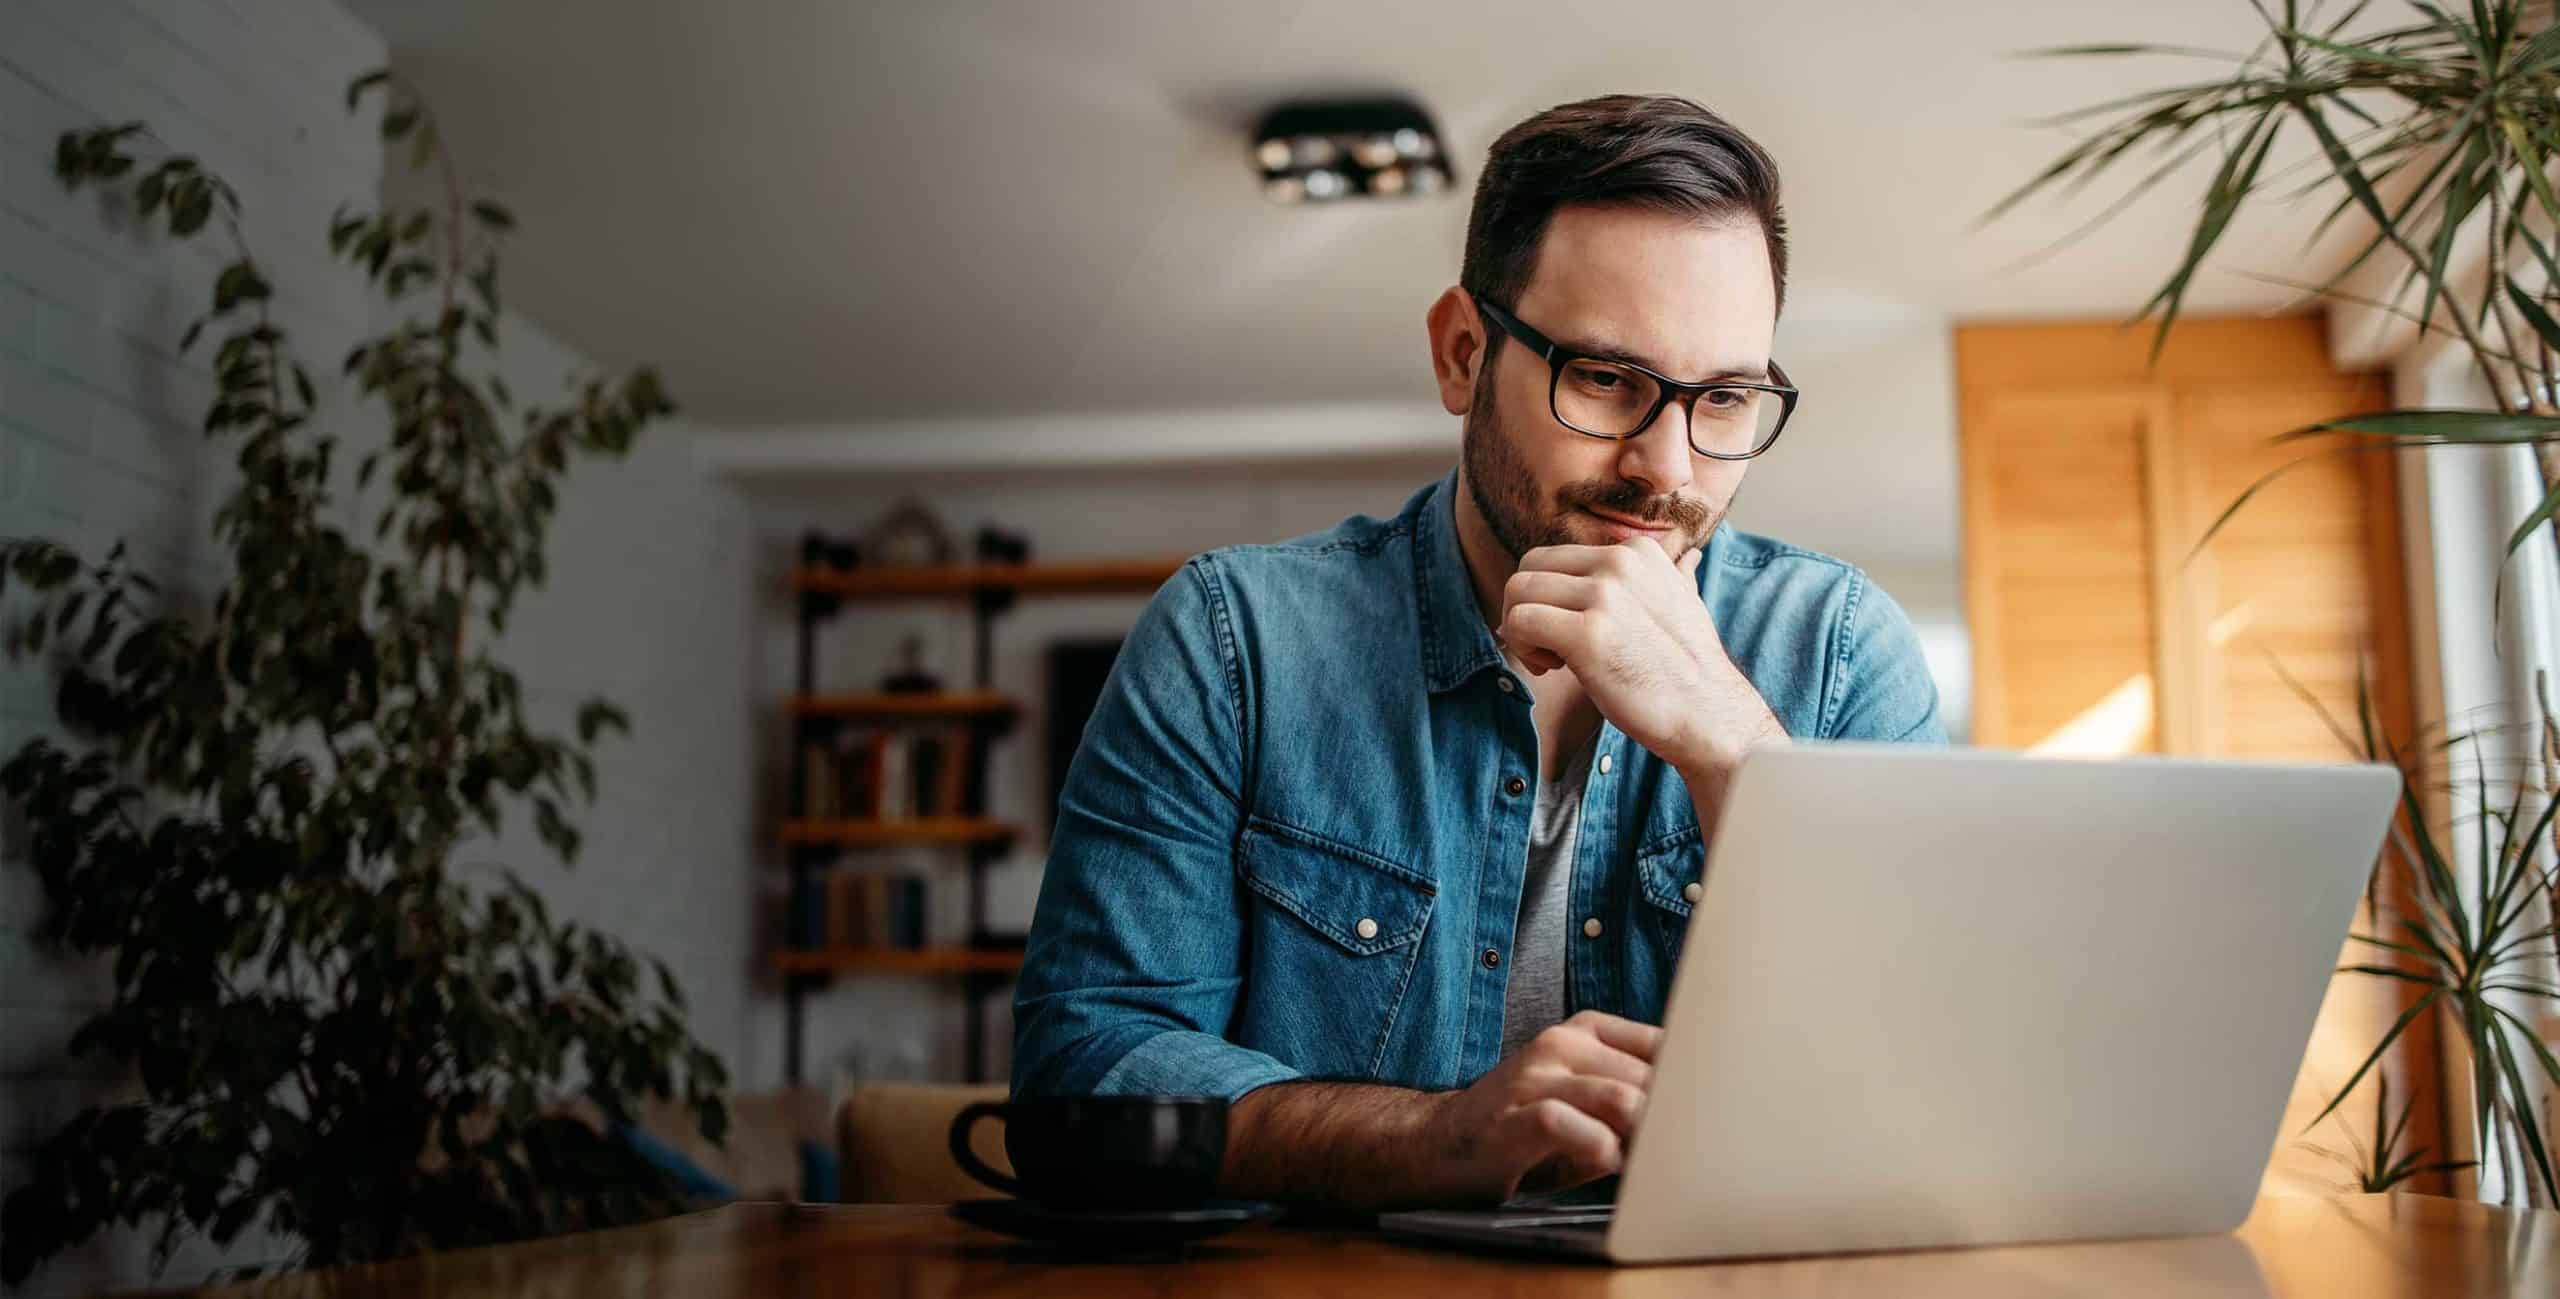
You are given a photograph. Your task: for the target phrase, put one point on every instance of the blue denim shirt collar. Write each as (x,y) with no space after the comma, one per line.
(1456,643)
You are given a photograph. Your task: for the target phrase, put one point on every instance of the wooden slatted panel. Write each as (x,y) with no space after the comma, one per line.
(2289,587)
(2059,567)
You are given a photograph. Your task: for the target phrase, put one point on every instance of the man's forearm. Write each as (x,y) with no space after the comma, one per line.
(1357,1146)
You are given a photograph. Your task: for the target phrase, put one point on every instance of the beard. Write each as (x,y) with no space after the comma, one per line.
(1507,494)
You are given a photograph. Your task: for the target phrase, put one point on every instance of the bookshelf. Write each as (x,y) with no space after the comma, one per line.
(874,833)
(817,832)
(1128,576)
(942,705)
(902,960)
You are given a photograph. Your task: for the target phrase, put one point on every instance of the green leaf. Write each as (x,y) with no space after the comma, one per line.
(2440,427)
(2531,161)
(2398,1026)
(2522,1098)
(2392,972)
(596,716)
(2231,186)
(2534,315)
(357,87)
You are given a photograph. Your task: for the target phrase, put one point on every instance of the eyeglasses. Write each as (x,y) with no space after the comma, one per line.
(1729,419)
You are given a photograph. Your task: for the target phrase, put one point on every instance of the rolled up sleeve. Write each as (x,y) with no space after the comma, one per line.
(1136,952)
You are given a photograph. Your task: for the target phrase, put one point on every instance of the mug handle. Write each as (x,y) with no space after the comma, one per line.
(968,1161)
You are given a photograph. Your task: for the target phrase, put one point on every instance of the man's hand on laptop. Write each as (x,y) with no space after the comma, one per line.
(1555,1114)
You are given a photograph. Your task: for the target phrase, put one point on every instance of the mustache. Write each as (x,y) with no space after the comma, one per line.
(1630,501)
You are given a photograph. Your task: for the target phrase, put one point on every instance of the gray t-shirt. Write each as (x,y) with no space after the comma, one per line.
(1533,998)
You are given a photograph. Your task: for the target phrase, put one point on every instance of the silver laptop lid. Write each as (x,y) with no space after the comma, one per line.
(1943,997)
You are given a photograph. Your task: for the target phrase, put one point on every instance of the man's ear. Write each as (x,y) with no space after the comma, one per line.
(1457,348)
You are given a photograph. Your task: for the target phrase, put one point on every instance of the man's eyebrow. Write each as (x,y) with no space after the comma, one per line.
(1611,352)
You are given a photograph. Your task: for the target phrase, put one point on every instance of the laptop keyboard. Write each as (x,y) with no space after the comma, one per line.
(1596,1215)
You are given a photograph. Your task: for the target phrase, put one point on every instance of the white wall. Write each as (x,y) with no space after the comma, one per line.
(648,604)
(647,601)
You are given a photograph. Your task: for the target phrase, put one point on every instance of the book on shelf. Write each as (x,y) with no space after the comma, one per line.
(871,909)
(804,922)
(951,793)
(890,773)
(924,773)
(896,795)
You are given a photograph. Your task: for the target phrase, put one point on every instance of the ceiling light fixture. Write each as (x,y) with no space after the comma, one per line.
(1317,151)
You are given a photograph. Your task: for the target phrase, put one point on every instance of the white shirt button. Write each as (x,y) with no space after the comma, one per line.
(1368,928)
(1505,683)
(1690,890)
(1591,927)
(1604,764)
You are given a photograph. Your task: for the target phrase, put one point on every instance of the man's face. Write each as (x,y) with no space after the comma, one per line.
(1682,298)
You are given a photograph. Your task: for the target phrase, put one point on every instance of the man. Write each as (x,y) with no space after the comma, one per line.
(1389,834)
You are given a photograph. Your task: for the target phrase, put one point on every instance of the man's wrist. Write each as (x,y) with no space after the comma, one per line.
(1729,721)
(1347,1145)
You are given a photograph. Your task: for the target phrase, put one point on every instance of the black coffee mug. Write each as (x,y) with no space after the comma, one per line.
(1103,1152)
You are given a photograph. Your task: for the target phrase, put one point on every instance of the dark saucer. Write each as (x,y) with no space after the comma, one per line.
(1113,1229)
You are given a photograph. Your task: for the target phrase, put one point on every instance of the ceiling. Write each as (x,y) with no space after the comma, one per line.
(818,213)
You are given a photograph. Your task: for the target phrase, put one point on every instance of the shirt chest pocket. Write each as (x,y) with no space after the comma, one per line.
(1668,886)
(1333,933)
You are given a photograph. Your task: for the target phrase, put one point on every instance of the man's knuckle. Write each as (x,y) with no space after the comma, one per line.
(1552,1116)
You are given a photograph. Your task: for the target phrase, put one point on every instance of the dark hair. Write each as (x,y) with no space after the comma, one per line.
(1657,151)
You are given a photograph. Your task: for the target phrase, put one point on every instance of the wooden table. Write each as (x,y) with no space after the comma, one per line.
(2352,1248)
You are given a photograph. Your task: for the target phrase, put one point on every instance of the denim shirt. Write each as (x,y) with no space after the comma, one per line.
(1291,846)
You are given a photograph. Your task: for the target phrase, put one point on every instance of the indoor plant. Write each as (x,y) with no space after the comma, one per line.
(326,1025)
(2449,120)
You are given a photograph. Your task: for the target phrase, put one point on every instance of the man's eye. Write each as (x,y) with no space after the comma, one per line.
(1728,398)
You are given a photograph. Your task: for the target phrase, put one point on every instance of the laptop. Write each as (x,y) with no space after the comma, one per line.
(1944,997)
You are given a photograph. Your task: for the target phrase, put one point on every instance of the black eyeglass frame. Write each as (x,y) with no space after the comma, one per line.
(1558,356)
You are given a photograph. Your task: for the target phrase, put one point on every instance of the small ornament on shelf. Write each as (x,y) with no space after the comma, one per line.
(996,546)
(908,536)
(911,677)
(820,551)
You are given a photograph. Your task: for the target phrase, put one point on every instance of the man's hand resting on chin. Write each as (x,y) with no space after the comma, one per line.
(1559,1112)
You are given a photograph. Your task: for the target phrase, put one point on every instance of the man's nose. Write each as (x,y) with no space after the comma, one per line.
(1659,455)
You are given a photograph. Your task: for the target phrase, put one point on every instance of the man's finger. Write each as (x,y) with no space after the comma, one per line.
(1552,1131)
(1636,1039)
(1584,1053)
(1583,560)
(1618,1104)
(1689,562)
(1647,543)
(1527,627)
(1543,586)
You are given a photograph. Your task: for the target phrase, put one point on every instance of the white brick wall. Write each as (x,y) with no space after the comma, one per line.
(98,412)
(98,441)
